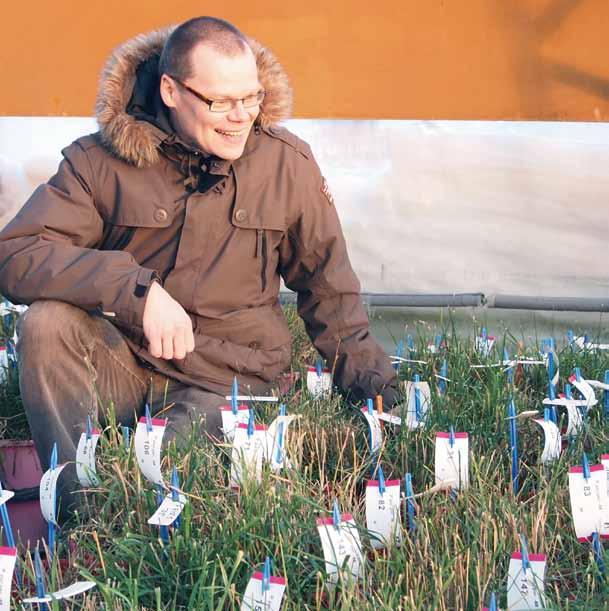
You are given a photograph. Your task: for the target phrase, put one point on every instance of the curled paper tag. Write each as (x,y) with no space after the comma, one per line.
(148,448)
(73,590)
(575,419)
(589,501)
(552,441)
(484,345)
(341,544)
(319,385)
(231,420)
(247,454)
(8,558)
(586,391)
(6,495)
(452,462)
(376,433)
(390,418)
(255,598)
(383,514)
(48,493)
(605,463)
(276,442)
(526,586)
(416,418)
(85,459)
(168,511)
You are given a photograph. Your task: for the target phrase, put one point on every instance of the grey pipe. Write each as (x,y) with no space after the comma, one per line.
(453,300)
(574,304)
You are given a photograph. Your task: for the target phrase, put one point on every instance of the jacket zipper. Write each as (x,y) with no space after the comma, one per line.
(261,254)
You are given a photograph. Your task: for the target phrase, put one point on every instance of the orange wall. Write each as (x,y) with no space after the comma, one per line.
(425,59)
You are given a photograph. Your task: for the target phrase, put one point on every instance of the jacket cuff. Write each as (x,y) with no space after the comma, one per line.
(134,315)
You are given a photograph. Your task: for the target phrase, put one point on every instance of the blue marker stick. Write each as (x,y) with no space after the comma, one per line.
(148,419)
(570,336)
(381,480)
(266,575)
(606,394)
(578,373)
(483,334)
(175,495)
(442,385)
(126,437)
(282,410)
(40,590)
(438,342)
(250,424)
(233,396)
(336,517)
(492,605)
(513,445)
(451,436)
(598,553)
(279,452)
(547,416)
(409,502)
(163,530)
(319,367)
(370,406)
(585,467)
(89,429)
(51,526)
(526,565)
(417,397)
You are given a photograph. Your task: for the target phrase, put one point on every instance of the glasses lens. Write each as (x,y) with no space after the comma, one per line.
(221,105)
(253,100)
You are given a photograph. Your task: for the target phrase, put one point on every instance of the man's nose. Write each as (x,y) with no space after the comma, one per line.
(238,112)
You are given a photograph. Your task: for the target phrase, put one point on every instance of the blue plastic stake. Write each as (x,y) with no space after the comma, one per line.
(568,394)
(578,373)
(409,502)
(451,436)
(163,530)
(233,396)
(89,430)
(483,334)
(598,553)
(282,410)
(126,437)
(381,480)
(547,416)
(250,424)
(492,605)
(417,397)
(570,337)
(370,406)
(319,367)
(279,452)
(148,419)
(40,591)
(585,467)
(399,353)
(51,526)
(526,565)
(606,394)
(442,385)
(438,342)
(175,495)
(266,575)
(513,445)
(336,517)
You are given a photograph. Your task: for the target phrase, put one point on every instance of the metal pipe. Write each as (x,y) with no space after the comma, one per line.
(525,302)
(453,300)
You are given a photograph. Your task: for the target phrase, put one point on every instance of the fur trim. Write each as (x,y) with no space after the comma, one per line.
(136,141)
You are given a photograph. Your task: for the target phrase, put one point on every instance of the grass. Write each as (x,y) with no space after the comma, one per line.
(458,554)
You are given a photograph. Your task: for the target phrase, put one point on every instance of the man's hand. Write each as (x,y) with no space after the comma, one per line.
(167,327)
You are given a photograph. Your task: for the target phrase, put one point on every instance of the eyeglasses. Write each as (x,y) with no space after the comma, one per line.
(250,101)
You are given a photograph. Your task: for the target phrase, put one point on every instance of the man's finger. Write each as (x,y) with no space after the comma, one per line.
(154,345)
(179,350)
(167,341)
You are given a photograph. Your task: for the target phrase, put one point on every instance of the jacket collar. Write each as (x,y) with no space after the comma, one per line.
(131,115)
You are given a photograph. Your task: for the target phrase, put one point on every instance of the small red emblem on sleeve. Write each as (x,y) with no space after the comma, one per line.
(325,189)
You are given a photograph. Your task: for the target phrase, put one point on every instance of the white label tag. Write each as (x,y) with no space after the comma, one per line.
(605,463)
(424,394)
(390,418)
(48,490)
(374,425)
(73,590)
(339,545)
(8,558)
(545,355)
(230,420)
(6,495)
(276,442)
(247,454)
(254,599)
(484,345)
(552,444)
(589,501)
(168,511)
(148,449)
(576,420)
(319,386)
(452,462)
(586,391)
(383,514)
(85,459)
(526,588)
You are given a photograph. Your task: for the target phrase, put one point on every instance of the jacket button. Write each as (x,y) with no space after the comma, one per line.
(240,215)
(160,215)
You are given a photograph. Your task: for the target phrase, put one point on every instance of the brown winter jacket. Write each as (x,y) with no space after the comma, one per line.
(132,202)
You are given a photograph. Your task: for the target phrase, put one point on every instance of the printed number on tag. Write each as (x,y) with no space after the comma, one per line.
(452,462)
(148,449)
(85,459)
(526,588)
(340,545)
(383,514)
(254,599)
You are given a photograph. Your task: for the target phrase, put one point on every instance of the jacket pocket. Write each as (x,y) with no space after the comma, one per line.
(262,256)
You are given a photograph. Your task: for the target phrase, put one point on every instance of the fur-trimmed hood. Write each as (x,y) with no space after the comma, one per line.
(136,140)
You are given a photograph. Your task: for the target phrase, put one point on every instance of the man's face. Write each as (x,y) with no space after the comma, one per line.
(217,77)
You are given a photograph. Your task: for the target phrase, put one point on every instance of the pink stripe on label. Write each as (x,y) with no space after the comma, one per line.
(532,557)
(257,427)
(373,483)
(155,421)
(572,378)
(228,408)
(2,347)
(95,432)
(604,456)
(443,435)
(580,469)
(314,370)
(274,578)
(8,551)
(330,521)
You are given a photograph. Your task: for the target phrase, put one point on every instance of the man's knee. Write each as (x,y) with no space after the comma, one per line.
(45,320)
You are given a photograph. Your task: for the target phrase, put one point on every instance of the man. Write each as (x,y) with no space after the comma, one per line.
(153,258)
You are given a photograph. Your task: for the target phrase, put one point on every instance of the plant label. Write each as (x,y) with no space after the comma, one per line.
(585,389)
(257,599)
(452,461)
(6,495)
(552,441)
(168,511)
(605,463)
(276,442)
(575,421)
(85,459)
(484,345)
(72,590)
(319,385)
(589,501)
(390,418)
(526,586)
(148,448)
(48,493)
(383,519)
(8,558)
(231,420)
(247,454)
(413,419)
(376,432)
(341,546)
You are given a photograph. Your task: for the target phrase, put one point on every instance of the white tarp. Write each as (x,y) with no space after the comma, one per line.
(427,206)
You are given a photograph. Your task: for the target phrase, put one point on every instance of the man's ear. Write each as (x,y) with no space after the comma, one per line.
(168,91)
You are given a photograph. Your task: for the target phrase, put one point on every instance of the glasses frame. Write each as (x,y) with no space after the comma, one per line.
(209,102)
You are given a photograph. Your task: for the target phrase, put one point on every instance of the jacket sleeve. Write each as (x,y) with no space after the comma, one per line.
(49,250)
(315,264)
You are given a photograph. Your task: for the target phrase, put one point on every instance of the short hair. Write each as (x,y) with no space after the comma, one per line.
(217,33)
